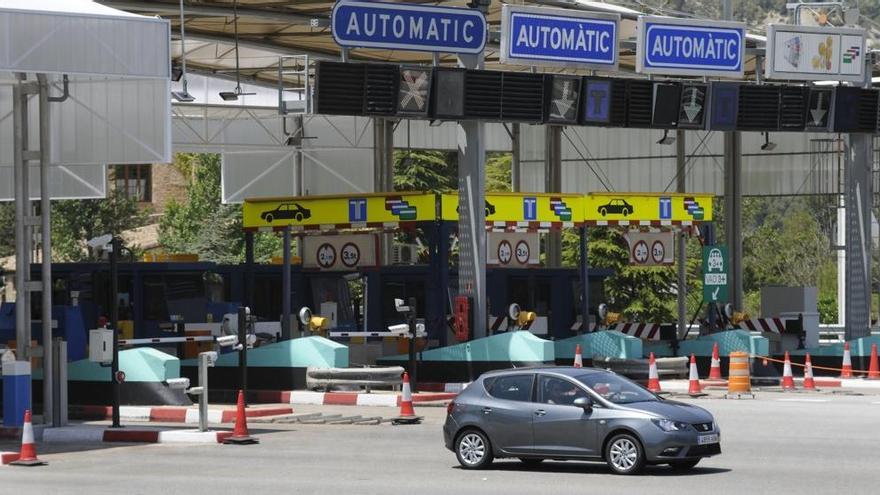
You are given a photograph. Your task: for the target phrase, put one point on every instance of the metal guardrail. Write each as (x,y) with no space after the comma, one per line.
(328,378)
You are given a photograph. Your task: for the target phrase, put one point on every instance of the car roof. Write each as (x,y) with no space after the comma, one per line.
(561,370)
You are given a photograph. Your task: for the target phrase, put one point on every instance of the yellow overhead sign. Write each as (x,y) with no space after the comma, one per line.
(652,208)
(523,208)
(344,211)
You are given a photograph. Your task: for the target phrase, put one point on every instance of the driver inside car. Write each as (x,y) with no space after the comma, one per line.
(562,392)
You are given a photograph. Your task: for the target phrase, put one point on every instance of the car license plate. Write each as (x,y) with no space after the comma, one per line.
(707,439)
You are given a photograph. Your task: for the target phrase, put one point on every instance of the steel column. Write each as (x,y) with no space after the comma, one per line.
(681,255)
(46,261)
(383,171)
(285,287)
(553,184)
(733,214)
(857,178)
(22,198)
(585,280)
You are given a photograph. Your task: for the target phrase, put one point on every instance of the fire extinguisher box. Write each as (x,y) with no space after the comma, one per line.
(16,392)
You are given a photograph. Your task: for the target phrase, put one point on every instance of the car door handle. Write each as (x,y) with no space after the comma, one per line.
(487,410)
(540,412)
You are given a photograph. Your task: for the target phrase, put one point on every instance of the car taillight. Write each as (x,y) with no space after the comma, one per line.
(450,407)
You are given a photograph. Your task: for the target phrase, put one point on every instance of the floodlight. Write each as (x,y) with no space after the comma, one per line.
(666,139)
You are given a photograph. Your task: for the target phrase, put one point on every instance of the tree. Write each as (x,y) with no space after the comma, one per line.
(76,221)
(7,229)
(498,172)
(423,170)
(202,225)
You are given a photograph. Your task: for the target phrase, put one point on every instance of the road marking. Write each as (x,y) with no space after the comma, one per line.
(878,403)
(802,400)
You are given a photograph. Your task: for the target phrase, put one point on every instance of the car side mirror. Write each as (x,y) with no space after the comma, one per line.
(584,403)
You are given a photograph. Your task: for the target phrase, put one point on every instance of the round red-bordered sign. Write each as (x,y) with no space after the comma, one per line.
(522,253)
(350,254)
(658,252)
(326,255)
(505,252)
(640,252)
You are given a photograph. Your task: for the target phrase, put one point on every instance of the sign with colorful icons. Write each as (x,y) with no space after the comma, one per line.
(343,211)
(537,208)
(808,53)
(647,208)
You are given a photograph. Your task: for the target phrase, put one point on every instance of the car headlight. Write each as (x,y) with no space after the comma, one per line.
(669,425)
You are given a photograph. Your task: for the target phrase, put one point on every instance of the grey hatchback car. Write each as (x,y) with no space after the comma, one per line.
(568,413)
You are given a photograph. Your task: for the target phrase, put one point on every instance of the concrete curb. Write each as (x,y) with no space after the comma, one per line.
(7,457)
(169,414)
(79,434)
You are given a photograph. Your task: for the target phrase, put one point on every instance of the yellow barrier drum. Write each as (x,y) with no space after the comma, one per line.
(739,381)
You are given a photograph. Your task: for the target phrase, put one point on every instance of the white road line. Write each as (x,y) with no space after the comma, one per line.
(878,403)
(802,400)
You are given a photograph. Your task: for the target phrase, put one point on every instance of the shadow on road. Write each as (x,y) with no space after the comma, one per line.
(593,468)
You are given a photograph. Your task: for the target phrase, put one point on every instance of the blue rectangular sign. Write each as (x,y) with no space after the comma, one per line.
(362,24)
(597,101)
(690,47)
(541,36)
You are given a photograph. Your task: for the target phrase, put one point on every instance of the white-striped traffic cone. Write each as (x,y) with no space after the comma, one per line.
(787,376)
(407,412)
(653,377)
(809,383)
(578,357)
(694,387)
(715,367)
(846,370)
(28,455)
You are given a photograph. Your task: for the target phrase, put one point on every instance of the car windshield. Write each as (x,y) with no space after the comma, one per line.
(615,388)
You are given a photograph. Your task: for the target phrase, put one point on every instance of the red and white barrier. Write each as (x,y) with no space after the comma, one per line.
(358,399)
(764,325)
(170,414)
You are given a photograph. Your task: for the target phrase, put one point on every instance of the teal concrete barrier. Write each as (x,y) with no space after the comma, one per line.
(519,346)
(728,341)
(857,348)
(607,343)
(143,364)
(296,353)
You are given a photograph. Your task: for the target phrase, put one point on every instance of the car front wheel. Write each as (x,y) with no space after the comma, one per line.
(624,454)
(473,450)
(269,218)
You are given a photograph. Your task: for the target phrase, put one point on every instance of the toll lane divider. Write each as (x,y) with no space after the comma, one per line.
(297,397)
(824,368)
(169,414)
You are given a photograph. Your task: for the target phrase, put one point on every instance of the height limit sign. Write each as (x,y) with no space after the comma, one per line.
(714,274)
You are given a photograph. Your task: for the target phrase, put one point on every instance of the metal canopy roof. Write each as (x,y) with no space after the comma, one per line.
(270,28)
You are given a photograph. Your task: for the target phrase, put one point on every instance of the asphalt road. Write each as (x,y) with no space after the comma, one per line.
(779,443)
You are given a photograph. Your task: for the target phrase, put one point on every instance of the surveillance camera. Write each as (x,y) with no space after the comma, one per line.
(229,326)
(400,306)
(211,356)
(100,242)
(227,340)
(399,328)
(177,383)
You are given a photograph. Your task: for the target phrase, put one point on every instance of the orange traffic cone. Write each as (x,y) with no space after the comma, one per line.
(715,367)
(653,377)
(694,379)
(873,365)
(240,435)
(407,412)
(846,369)
(809,383)
(578,357)
(28,455)
(787,377)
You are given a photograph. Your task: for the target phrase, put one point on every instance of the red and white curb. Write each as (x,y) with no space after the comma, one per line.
(360,399)
(7,457)
(443,387)
(171,414)
(78,434)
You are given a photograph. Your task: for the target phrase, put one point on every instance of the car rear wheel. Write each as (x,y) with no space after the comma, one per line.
(269,218)
(625,212)
(684,465)
(603,212)
(299,217)
(624,454)
(473,450)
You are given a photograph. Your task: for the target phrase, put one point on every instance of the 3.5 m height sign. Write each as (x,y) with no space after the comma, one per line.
(558,37)
(690,47)
(360,24)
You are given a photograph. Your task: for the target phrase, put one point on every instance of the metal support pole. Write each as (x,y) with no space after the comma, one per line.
(297,141)
(22,197)
(413,365)
(515,165)
(681,254)
(733,213)
(383,171)
(553,184)
(248,296)
(285,287)
(859,157)
(203,396)
(585,281)
(243,313)
(114,324)
(46,261)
